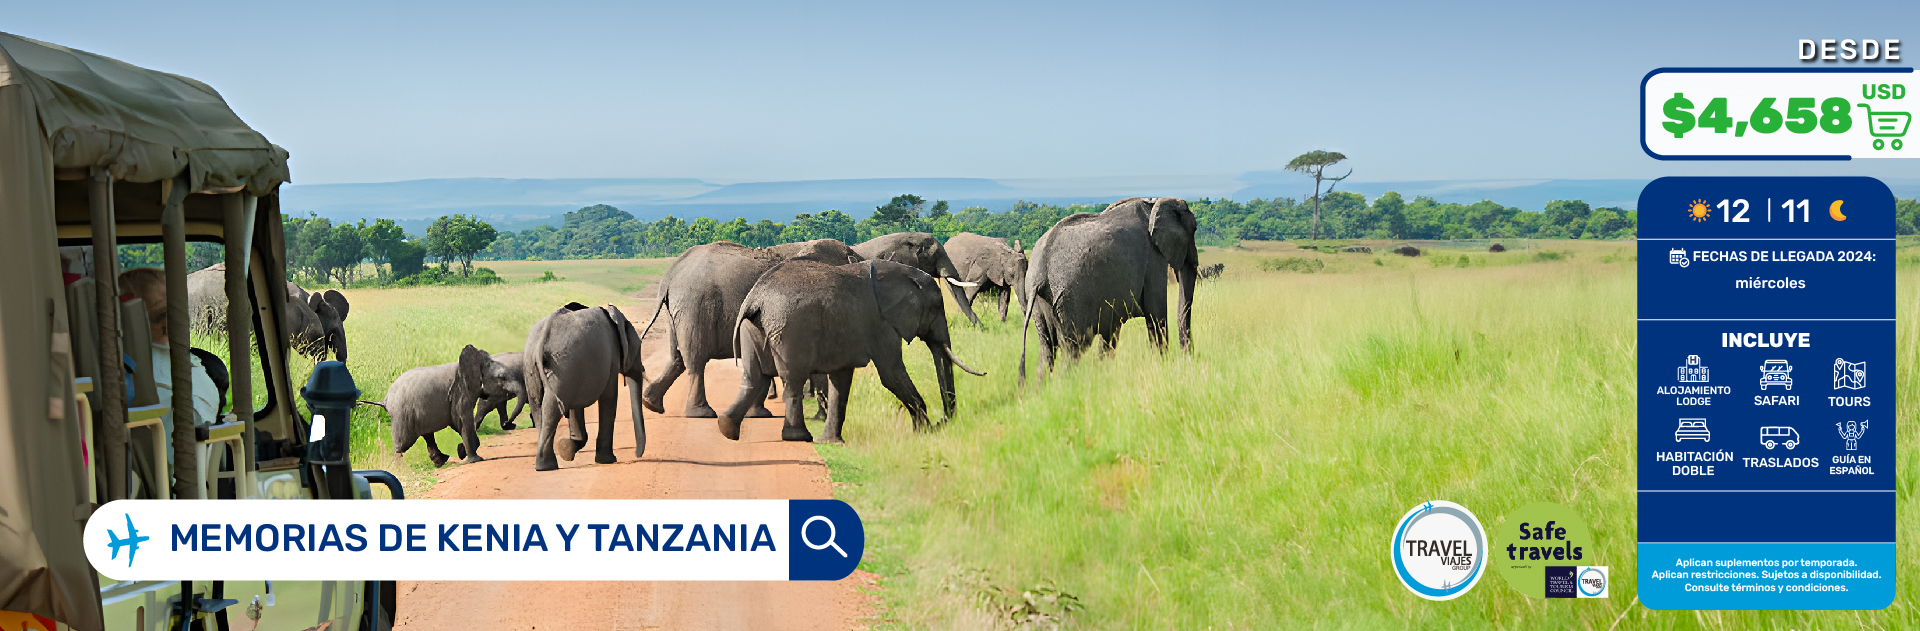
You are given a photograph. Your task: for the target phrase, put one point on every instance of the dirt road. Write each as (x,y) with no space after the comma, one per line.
(686,459)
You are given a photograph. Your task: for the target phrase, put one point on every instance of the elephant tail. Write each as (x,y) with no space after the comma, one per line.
(657,307)
(379,404)
(1024,328)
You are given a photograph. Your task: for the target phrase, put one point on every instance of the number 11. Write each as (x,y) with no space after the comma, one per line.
(1804,213)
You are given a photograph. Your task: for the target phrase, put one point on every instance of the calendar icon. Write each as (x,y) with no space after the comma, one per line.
(1677,256)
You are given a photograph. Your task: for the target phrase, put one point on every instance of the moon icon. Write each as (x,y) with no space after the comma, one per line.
(1834,210)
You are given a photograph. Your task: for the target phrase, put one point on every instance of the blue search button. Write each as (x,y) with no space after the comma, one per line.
(825,540)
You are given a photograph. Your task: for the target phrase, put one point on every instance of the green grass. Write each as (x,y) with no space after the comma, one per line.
(625,276)
(1255,484)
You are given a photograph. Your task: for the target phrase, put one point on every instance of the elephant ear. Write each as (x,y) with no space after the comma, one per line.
(338,301)
(468,376)
(1171,227)
(901,292)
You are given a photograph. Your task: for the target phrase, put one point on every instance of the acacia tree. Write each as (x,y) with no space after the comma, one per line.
(1315,163)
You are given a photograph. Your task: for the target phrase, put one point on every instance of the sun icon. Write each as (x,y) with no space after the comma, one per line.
(1699,211)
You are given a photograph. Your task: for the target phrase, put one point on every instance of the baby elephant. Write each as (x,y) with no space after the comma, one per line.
(426,400)
(805,318)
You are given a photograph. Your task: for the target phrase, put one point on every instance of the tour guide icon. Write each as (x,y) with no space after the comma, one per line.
(1886,125)
(1852,433)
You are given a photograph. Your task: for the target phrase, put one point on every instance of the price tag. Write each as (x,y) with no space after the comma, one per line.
(1778,113)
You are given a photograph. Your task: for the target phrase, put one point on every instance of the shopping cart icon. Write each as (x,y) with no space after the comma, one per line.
(1886,125)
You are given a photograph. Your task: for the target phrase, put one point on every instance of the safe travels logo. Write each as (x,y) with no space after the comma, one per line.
(1439,550)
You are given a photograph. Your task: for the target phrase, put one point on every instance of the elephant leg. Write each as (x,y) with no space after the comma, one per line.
(438,457)
(1006,295)
(546,418)
(839,385)
(609,407)
(893,375)
(755,380)
(1153,305)
(577,430)
(655,394)
(1049,336)
(796,427)
(697,406)
(470,443)
(817,384)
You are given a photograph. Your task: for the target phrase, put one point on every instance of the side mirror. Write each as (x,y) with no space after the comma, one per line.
(331,395)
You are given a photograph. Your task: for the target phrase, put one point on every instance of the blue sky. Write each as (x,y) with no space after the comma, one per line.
(744,91)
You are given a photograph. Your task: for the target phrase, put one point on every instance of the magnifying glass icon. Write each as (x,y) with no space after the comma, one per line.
(831,533)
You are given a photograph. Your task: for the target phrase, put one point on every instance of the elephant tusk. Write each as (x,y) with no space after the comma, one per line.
(948,350)
(960,283)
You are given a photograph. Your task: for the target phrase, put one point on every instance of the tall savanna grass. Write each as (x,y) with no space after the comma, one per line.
(1255,484)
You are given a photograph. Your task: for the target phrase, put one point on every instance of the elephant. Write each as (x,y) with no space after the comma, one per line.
(990,264)
(805,318)
(315,322)
(575,357)
(497,400)
(425,400)
(1092,272)
(923,252)
(701,292)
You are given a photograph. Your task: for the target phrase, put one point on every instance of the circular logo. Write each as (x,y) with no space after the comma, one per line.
(1438,550)
(1593,582)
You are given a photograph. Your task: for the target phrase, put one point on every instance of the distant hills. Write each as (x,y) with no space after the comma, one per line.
(517,204)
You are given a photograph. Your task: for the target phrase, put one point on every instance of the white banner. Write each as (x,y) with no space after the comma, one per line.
(483,540)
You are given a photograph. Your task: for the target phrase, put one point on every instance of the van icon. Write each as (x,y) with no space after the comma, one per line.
(1773,372)
(1779,435)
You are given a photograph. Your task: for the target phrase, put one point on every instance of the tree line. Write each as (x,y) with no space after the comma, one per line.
(319,250)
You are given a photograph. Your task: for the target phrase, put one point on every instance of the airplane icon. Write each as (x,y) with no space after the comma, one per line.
(131,542)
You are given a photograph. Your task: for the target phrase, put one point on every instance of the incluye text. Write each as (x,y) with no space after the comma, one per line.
(1766,340)
(469,538)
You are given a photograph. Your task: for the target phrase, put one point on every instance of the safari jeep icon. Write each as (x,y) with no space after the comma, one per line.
(1773,372)
(1779,435)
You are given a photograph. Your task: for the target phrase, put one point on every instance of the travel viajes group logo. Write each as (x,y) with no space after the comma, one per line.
(1439,550)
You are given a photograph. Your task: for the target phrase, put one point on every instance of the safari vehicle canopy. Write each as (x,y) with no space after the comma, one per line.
(97,152)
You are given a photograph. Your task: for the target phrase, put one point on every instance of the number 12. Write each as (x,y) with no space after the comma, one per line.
(1740,217)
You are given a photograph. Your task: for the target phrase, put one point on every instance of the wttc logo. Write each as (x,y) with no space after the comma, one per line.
(131,542)
(1439,550)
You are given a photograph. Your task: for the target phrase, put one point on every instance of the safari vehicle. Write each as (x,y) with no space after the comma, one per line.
(96,153)
(1775,372)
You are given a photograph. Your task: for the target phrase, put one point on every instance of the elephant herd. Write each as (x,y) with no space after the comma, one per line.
(809,314)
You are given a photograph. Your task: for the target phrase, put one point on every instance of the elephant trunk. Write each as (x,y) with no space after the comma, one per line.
(948,271)
(1186,274)
(943,368)
(639,418)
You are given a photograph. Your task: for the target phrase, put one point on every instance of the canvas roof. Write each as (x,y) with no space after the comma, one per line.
(143,124)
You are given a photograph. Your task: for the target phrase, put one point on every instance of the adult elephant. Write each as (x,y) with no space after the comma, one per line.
(701,293)
(923,252)
(424,400)
(1093,272)
(805,318)
(575,357)
(316,322)
(991,265)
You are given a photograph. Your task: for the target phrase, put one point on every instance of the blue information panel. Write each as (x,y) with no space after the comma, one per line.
(1766,366)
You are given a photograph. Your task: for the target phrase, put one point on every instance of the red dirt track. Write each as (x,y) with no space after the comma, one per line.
(685,459)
